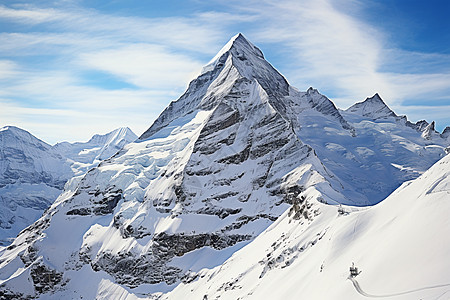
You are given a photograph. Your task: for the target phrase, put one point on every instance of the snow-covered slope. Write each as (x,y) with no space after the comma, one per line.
(218,166)
(86,154)
(401,246)
(213,171)
(33,173)
(384,150)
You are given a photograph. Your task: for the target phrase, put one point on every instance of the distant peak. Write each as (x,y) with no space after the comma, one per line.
(15,130)
(19,133)
(446,132)
(429,131)
(118,133)
(375,98)
(373,107)
(10,128)
(312,90)
(122,130)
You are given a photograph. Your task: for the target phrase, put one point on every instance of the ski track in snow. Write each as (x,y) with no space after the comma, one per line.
(363,293)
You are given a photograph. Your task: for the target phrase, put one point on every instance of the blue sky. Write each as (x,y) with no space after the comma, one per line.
(70,69)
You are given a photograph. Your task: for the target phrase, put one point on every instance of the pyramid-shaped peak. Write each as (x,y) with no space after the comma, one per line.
(238,44)
(239,47)
(373,107)
(237,62)
(429,131)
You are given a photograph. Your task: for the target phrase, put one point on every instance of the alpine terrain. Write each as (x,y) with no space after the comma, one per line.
(33,173)
(247,187)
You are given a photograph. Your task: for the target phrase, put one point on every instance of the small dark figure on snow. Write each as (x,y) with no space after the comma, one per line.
(354,271)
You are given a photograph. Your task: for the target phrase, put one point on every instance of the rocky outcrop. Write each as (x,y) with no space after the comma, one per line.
(154,266)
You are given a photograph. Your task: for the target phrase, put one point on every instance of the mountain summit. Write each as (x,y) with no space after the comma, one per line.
(237,150)
(216,168)
(236,46)
(238,62)
(373,107)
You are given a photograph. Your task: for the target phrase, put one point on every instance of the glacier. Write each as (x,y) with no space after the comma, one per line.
(237,186)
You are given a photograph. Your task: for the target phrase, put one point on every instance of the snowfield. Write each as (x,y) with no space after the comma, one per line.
(400,245)
(242,188)
(33,173)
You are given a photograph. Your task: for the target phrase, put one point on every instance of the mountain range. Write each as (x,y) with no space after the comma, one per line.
(33,173)
(246,187)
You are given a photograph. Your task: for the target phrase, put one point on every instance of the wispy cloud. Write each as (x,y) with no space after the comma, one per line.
(144,65)
(332,48)
(322,43)
(188,33)
(31,16)
(157,56)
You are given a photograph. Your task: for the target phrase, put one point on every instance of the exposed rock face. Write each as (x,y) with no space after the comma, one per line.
(225,155)
(151,268)
(216,168)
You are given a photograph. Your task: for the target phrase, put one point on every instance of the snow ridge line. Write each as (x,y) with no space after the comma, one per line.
(363,293)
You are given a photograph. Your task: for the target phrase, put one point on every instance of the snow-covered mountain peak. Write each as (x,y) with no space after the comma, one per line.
(236,151)
(446,132)
(429,131)
(99,146)
(373,107)
(115,135)
(237,46)
(236,71)
(237,66)
(22,135)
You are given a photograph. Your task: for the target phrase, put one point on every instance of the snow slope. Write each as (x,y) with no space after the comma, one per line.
(236,151)
(98,148)
(401,246)
(33,173)
(384,150)
(213,171)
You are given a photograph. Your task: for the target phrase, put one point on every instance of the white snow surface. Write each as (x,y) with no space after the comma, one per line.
(401,247)
(373,107)
(33,173)
(195,198)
